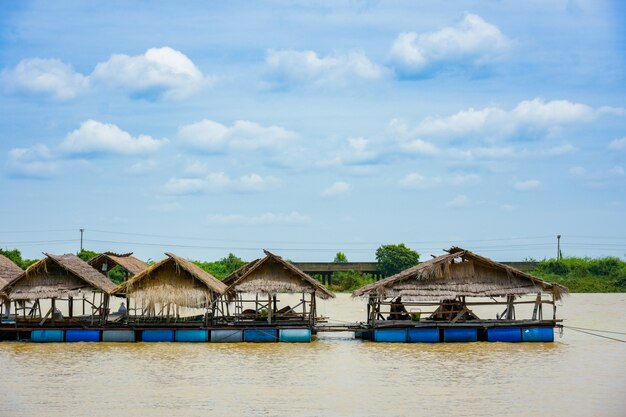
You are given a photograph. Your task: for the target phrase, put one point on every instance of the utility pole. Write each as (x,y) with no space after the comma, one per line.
(558,247)
(81,239)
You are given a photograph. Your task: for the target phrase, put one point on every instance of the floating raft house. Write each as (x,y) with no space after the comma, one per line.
(252,300)
(57,281)
(433,302)
(165,291)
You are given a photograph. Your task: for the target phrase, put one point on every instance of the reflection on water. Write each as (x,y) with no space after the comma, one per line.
(334,376)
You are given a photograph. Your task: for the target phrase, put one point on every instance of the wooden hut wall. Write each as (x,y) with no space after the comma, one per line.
(272,278)
(170,284)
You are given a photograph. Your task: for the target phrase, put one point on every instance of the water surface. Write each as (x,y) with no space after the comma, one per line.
(578,375)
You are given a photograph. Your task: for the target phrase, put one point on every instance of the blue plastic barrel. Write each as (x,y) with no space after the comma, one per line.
(504,334)
(460,334)
(260,335)
(390,335)
(427,335)
(46,336)
(123,336)
(158,335)
(226,336)
(192,335)
(538,334)
(82,335)
(295,335)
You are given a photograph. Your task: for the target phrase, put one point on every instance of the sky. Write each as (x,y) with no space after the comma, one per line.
(307,128)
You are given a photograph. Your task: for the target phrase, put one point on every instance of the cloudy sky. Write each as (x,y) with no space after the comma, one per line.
(311,127)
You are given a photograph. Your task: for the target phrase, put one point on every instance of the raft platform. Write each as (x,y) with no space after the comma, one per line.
(391,332)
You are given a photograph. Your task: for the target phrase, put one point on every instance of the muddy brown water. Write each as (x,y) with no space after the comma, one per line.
(336,375)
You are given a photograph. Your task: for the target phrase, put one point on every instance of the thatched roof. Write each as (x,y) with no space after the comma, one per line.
(459,273)
(124,260)
(173,280)
(8,271)
(57,276)
(271,275)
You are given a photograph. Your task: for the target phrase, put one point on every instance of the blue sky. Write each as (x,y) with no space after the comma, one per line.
(310,127)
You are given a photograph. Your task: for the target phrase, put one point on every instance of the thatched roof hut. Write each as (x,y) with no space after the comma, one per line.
(8,271)
(57,276)
(109,260)
(459,273)
(173,280)
(272,275)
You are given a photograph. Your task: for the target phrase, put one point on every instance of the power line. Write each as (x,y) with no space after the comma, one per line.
(444,241)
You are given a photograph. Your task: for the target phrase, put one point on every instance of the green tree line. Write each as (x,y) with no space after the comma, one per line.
(606,274)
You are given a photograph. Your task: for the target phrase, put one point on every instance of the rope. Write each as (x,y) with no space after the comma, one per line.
(595,330)
(598,335)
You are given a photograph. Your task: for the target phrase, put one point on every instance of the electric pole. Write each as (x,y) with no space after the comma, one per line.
(81,239)
(558,247)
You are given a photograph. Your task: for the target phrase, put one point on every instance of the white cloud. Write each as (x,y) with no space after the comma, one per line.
(581,172)
(142,167)
(598,178)
(158,72)
(306,67)
(293,218)
(493,123)
(460,200)
(464,179)
(473,41)
(219,181)
(415,180)
(209,135)
(527,185)
(93,137)
(354,152)
(419,146)
(618,144)
(563,149)
(336,189)
(34,162)
(195,168)
(46,76)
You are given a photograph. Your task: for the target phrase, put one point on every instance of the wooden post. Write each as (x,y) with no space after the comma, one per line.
(53,308)
(269,308)
(313,308)
(536,308)
(70,306)
(510,309)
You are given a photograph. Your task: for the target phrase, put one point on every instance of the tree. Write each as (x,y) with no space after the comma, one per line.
(87,254)
(232,262)
(395,258)
(222,268)
(341,258)
(16,257)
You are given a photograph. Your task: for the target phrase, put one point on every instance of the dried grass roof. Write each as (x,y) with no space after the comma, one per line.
(56,276)
(459,273)
(272,275)
(124,260)
(173,280)
(8,271)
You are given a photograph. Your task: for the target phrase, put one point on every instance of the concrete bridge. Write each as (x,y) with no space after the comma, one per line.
(325,269)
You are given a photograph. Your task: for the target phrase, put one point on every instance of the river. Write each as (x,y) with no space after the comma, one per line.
(578,375)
